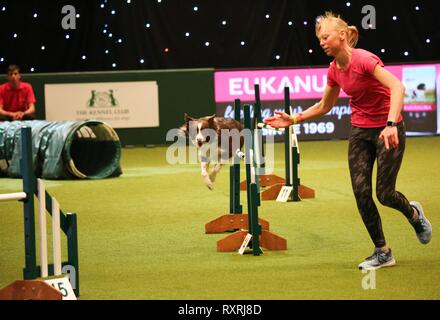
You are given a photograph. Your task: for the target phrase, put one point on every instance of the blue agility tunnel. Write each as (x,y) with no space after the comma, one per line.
(62,150)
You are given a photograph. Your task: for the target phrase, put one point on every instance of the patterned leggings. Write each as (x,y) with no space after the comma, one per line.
(364,149)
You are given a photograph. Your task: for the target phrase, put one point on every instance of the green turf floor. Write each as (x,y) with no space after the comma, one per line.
(141,236)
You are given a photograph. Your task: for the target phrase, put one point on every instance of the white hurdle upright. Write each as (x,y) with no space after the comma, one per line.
(293,143)
(42,228)
(56,237)
(56,232)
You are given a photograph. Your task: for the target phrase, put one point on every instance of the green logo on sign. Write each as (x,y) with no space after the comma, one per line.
(102,99)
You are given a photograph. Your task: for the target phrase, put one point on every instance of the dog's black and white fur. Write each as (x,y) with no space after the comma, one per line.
(206,134)
(419,94)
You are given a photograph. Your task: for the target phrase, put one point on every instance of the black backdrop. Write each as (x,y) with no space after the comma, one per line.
(170,19)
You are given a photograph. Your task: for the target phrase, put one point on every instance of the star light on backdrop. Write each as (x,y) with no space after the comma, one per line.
(139,34)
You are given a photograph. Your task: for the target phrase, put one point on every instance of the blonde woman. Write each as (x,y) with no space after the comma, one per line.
(377,131)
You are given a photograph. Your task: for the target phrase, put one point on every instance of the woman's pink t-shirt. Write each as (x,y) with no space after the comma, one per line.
(370,100)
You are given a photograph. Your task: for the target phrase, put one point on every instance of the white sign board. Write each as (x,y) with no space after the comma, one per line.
(245,243)
(63,285)
(284,194)
(120,104)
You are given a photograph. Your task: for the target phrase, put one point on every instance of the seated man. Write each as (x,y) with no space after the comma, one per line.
(17,100)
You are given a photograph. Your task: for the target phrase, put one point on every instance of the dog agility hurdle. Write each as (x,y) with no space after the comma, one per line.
(235,219)
(60,221)
(274,184)
(254,226)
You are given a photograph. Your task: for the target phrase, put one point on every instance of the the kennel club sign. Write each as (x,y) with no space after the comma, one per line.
(120,104)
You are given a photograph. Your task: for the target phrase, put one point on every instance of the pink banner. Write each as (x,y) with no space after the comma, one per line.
(419,107)
(303,83)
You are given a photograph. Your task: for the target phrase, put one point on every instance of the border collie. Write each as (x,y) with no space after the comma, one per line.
(217,140)
(419,94)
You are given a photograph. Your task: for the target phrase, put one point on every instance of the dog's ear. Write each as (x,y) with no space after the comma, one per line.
(211,118)
(188,118)
(183,130)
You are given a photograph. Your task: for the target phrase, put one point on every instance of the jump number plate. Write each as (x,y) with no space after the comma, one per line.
(63,285)
(284,194)
(245,243)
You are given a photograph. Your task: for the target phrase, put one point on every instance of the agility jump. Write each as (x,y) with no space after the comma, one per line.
(235,219)
(273,183)
(254,226)
(60,221)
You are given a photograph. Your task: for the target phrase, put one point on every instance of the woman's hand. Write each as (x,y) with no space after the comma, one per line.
(281,120)
(390,137)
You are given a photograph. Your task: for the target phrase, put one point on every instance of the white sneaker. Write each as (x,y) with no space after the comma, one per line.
(422,225)
(378,259)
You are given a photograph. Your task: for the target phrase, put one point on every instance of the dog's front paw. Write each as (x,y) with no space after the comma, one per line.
(209,183)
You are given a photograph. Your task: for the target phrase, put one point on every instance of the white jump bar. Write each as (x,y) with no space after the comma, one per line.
(13,196)
(266,126)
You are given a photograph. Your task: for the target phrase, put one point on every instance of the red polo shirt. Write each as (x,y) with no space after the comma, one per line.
(16,99)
